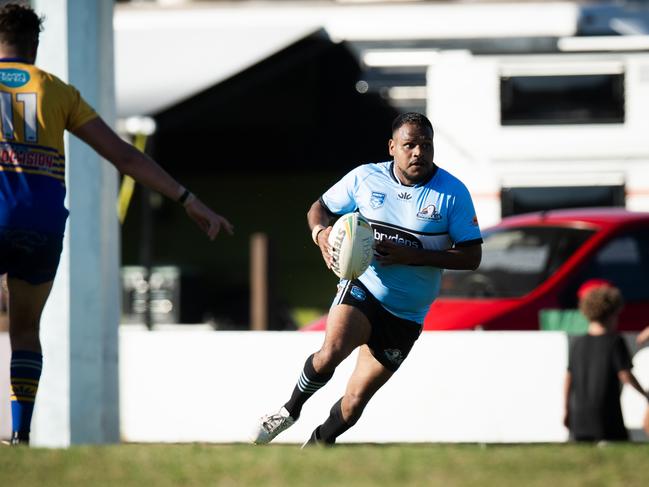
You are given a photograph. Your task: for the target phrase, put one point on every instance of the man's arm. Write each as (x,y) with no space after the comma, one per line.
(319,220)
(627,377)
(567,383)
(643,336)
(128,160)
(458,258)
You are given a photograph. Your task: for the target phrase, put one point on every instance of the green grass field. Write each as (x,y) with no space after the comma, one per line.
(345,465)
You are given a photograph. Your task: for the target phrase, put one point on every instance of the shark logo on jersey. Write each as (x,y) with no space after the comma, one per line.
(377,199)
(429,213)
(393,355)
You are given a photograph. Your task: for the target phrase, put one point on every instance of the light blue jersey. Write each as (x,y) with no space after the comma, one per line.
(435,215)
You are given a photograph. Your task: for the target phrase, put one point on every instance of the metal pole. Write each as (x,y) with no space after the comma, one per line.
(259,281)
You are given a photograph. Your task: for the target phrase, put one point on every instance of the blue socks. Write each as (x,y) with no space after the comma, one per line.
(25,369)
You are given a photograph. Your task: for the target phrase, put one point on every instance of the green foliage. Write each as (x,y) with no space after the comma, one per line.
(349,465)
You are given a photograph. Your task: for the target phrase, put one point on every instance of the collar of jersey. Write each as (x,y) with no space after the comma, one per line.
(13,60)
(421,183)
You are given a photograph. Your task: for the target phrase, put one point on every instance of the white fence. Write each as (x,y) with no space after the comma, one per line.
(186,385)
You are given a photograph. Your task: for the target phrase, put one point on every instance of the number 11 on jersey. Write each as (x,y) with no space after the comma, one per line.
(28,101)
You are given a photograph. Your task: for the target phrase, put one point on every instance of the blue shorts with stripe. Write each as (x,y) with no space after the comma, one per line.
(392,337)
(30,255)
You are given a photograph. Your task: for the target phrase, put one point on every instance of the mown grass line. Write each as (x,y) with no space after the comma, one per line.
(345,465)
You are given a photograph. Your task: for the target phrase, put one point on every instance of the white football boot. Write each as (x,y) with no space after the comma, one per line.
(272,425)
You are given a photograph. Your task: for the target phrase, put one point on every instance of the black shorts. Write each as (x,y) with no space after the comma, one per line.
(391,338)
(29,255)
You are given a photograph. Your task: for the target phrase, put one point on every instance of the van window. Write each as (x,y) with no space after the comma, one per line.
(624,261)
(515,261)
(514,201)
(566,99)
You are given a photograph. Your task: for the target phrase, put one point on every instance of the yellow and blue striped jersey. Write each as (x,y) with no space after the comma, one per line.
(36,108)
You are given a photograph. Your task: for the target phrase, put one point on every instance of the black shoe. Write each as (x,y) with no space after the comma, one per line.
(18,439)
(315,440)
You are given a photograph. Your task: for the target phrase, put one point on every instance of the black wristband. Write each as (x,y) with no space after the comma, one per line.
(183,197)
(317,235)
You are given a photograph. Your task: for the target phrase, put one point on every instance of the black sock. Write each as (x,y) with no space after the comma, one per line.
(314,439)
(334,426)
(310,381)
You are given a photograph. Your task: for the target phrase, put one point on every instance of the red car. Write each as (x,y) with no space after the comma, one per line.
(537,261)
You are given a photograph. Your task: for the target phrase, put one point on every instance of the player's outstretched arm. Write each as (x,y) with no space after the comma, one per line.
(643,336)
(211,223)
(128,160)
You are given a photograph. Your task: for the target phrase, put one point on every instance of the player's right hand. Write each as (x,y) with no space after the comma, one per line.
(325,248)
(389,253)
(211,223)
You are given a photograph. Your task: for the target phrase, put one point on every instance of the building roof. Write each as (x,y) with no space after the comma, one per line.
(166,55)
(163,57)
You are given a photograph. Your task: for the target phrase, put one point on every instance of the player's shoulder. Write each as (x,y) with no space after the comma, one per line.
(37,74)
(445,180)
(50,80)
(373,169)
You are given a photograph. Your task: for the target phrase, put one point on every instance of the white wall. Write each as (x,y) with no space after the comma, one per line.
(187,386)
(454,387)
(218,39)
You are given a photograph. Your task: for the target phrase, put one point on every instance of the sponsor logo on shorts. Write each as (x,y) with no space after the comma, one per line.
(394,355)
(357,293)
(14,78)
(377,199)
(429,213)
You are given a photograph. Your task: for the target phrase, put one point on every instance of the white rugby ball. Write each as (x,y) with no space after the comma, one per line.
(351,240)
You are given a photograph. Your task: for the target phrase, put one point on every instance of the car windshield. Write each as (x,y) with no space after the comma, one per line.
(514,261)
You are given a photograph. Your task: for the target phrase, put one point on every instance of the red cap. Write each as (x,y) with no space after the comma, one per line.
(591,284)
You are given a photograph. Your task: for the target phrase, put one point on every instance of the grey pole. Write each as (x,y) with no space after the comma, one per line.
(78,400)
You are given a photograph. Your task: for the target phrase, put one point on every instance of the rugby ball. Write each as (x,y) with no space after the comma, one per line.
(351,240)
